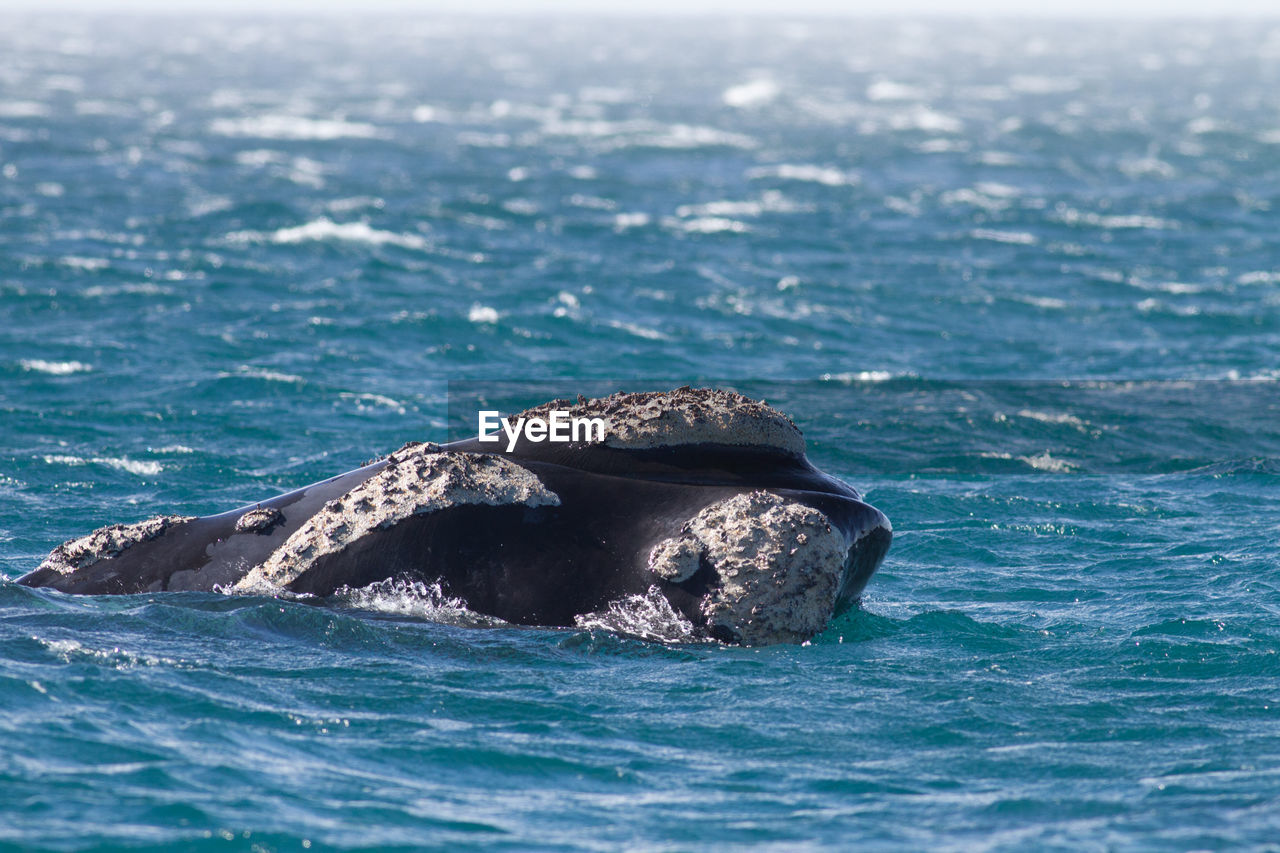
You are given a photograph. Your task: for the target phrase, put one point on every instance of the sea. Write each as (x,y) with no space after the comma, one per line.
(1017,281)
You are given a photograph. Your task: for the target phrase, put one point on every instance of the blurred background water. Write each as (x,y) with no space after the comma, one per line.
(1016,281)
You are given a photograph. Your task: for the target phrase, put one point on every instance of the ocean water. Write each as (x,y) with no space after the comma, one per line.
(1018,282)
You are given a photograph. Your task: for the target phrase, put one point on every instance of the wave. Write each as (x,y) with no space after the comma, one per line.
(24,109)
(141,468)
(325,229)
(755,93)
(643,133)
(54,368)
(1071,216)
(1021,238)
(808,172)
(707,225)
(482,314)
(274,126)
(248,371)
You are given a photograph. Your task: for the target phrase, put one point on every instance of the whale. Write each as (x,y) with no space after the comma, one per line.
(699,501)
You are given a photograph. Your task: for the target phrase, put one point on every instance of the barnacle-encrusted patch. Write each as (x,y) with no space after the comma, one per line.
(259,520)
(684,416)
(778,565)
(416,480)
(105,542)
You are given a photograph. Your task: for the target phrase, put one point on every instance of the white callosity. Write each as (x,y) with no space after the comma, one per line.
(105,542)
(685,416)
(416,480)
(676,560)
(259,520)
(778,564)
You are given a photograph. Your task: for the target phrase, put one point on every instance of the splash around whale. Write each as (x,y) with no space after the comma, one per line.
(698,503)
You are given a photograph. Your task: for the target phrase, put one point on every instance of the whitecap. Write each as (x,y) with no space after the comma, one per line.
(324,229)
(638,330)
(771,202)
(1046,302)
(721,208)
(592,202)
(1155,306)
(975,198)
(1133,221)
(424,113)
(54,368)
(144,288)
(263,373)
(23,109)
(140,468)
(133,466)
(360,202)
(521,207)
(1203,125)
(997,190)
(902,205)
(70,651)
(926,119)
(755,93)
(696,136)
(1258,277)
(595,128)
(293,127)
(306,172)
(369,400)
(1071,216)
(1046,462)
(209,204)
(623,221)
(259,157)
(1022,238)
(708,225)
(997,158)
(1176,288)
(1054,418)
(482,314)
(1141,166)
(888,90)
(922,118)
(943,146)
(825,175)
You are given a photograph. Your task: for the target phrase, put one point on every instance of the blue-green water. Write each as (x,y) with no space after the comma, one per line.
(238,256)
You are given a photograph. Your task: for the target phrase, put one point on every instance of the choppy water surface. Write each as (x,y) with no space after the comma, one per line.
(237,256)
